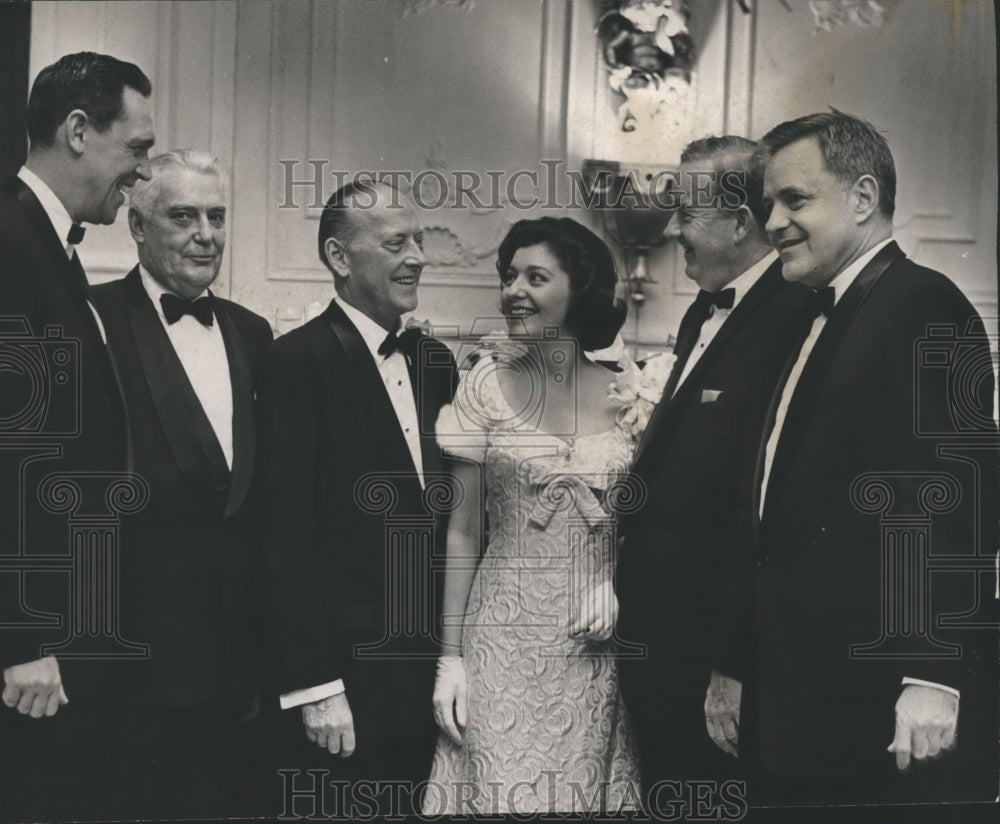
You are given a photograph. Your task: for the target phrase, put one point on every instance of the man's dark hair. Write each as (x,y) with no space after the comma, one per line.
(91,82)
(734,156)
(851,147)
(334,221)
(594,315)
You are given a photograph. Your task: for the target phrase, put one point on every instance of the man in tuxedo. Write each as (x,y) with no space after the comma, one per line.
(186,360)
(347,452)
(869,607)
(732,340)
(90,129)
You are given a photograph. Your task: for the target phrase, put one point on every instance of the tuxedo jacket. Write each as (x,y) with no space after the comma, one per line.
(677,544)
(888,449)
(347,557)
(61,413)
(188,556)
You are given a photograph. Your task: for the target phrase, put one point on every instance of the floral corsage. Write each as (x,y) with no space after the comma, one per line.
(638,391)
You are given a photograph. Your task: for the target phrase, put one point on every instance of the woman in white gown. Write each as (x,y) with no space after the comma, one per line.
(527,694)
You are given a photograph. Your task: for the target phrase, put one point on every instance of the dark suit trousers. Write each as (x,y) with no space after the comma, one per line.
(177,762)
(47,765)
(400,764)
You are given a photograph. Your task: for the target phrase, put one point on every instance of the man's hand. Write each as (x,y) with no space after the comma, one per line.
(722,712)
(451,696)
(330,725)
(34,688)
(926,720)
(598,612)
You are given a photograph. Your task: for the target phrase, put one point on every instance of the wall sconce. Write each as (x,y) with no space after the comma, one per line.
(632,205)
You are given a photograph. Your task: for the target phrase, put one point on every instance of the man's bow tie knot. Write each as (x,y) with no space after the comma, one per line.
(174,308)
(75,234)
(821,302)
(723,299)
(406,343)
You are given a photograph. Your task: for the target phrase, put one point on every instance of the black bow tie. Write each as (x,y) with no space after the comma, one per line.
(821,302)
(723,299)
(75,236)
(405,343)
(174,308)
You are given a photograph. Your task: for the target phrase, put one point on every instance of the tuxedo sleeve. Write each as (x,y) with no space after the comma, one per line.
(288,482)
(944,386)
(17,319)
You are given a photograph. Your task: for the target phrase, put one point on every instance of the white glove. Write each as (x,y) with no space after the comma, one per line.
(450,696)
(597,614)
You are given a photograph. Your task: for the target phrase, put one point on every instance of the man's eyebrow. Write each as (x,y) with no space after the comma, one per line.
(791,190)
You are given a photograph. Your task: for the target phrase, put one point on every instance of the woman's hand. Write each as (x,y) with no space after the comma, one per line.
(450,696)
(597,615)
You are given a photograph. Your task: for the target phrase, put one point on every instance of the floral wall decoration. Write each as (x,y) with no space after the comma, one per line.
(649,53)
(420,6)
(831,14)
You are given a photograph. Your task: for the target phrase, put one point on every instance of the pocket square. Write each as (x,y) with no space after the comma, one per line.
(710,395)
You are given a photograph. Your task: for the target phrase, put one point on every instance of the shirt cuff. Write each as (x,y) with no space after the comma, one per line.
(312,694)
(921,683)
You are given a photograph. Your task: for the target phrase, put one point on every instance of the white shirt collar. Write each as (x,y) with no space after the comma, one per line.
(55,210)
(744,283)
(370,331)
(843,279)
(154,289)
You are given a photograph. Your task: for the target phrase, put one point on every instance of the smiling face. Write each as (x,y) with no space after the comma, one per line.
(116,158)
(382,257)
(706,233)
(182,238)
(535,292)
(815,222)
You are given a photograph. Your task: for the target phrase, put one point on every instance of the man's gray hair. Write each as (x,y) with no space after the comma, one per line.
(144,193)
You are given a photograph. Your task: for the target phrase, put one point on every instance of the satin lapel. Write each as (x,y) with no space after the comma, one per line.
(427,406)
(765,284)
(803,401)
(370,399)
(687,338)
(192,441)
(682,348)
(69,271)
(244,430)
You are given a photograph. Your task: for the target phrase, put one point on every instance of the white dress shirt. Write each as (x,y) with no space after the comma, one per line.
(710,328)
(202,352)
(60,220)
(841,283)
(396,379)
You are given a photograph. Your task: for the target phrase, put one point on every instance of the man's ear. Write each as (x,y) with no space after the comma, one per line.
(744,224)
(336,257)
(76,126)
(864,197)
(136,225)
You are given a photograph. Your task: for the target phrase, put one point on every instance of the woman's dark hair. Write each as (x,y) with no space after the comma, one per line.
(594,316)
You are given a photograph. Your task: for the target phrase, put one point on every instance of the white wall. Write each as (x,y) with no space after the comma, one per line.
(504,84)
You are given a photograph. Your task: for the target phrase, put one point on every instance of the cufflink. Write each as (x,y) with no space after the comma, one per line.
(710,395)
